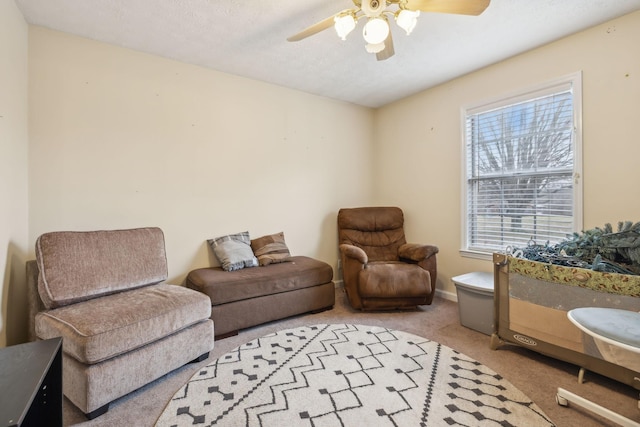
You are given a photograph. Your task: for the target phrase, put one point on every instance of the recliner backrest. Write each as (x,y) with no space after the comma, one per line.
(379,231)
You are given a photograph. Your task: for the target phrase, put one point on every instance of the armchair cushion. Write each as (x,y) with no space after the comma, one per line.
(394,280)
(102,328)
(378,231)
(77,266)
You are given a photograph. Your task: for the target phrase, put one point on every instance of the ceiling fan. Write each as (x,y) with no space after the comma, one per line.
(376,31)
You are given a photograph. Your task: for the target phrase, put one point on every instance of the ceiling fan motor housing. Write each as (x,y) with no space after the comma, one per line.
(373,8)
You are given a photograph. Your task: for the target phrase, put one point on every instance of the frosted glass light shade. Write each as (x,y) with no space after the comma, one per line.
(375,31)
(407,19)
(344,25)
(374,48)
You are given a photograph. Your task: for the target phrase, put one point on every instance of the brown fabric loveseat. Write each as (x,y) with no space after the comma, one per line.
(122,326)
(252,296)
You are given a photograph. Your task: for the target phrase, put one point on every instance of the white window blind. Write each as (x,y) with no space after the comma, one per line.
(521,169)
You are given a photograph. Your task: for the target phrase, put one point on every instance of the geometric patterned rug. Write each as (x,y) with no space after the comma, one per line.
(348,375)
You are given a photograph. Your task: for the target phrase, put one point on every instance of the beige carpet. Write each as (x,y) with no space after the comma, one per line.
(536,376)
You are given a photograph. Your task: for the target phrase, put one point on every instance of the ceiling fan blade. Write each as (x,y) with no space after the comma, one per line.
(314,29)
(388,50)
(459,7)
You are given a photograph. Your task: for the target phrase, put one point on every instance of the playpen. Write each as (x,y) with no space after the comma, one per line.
(531,302)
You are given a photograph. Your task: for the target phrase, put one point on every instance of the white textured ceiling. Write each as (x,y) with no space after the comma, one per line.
(248,38)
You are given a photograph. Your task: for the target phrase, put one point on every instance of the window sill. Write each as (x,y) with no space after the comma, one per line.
(486,256)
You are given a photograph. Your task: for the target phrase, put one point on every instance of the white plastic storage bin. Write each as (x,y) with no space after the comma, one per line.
(475,300)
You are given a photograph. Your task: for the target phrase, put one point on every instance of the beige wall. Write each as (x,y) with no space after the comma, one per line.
(123,139)
(13,172)
(418,141)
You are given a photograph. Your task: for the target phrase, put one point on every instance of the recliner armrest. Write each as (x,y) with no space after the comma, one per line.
(354,252)
(417,252)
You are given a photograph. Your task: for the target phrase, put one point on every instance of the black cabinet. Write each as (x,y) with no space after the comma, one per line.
(31,384)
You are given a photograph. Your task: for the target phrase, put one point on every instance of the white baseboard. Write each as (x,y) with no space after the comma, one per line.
(451,296)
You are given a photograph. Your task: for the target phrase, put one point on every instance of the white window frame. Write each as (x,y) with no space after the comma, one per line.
(575,82)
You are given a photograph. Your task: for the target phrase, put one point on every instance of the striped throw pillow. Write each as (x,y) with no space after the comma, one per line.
(270,249)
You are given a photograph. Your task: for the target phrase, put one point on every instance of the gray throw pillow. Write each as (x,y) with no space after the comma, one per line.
(234,251)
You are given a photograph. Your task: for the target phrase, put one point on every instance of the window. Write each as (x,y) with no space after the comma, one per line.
(523,168)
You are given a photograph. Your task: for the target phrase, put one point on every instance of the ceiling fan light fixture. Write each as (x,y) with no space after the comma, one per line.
(376,31)
(344,24)
(375,48)
(407,19)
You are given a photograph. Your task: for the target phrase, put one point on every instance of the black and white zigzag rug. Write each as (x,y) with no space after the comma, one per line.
(348,375)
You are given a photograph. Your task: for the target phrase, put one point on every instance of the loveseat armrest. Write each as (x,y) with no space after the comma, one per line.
(354,253)
(417,252)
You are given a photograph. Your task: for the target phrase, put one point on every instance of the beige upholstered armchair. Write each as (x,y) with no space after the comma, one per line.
(381,270)
(122,326)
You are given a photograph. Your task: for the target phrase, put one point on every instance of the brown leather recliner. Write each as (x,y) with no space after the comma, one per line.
(381,271)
